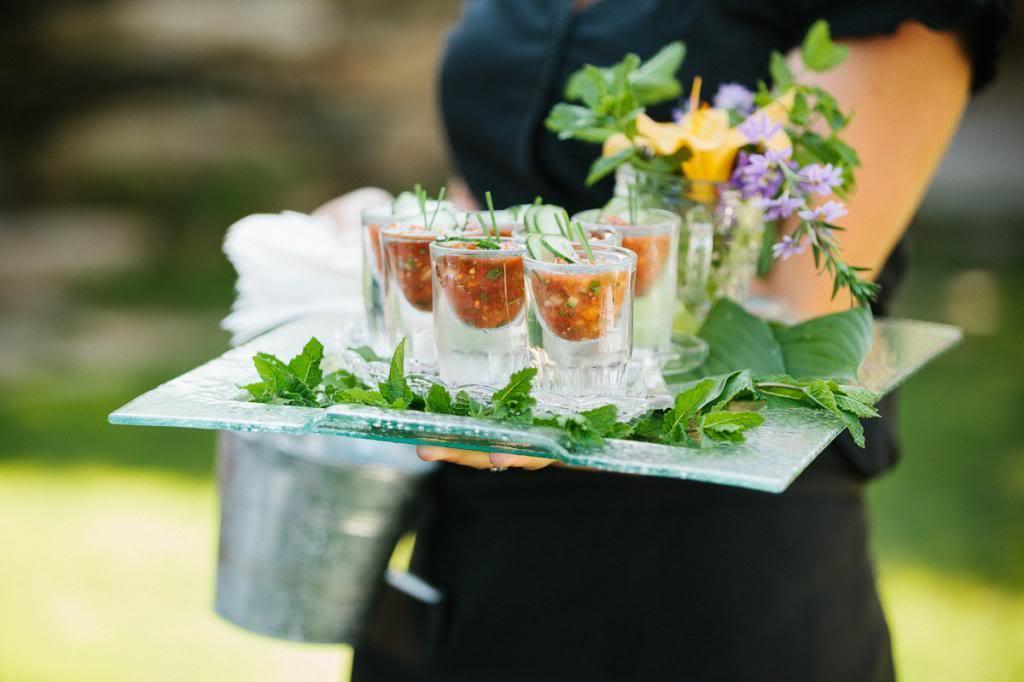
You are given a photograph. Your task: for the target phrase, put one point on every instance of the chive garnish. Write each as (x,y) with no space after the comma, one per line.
(440,198)
(490,209)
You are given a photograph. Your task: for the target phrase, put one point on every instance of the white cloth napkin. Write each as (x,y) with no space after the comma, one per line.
(292,264)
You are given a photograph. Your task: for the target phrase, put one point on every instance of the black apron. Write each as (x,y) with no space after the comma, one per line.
(570,575)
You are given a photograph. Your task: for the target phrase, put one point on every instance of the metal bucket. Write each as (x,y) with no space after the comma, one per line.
(308,524)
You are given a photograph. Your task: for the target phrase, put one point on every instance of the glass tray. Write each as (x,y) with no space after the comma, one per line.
(774,454)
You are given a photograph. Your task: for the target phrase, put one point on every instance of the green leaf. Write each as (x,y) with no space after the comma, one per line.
(861,395)
(855,407)
(738,340)
(605,165)
(655,80)
(649,427)
(602,419)
(572,121)
(580,433)
(588,85)
(306,365)
(688,403)
(818,51)
(280,383)
(367,353)
(728,426)
(467,406)
(782,77)
(361,396)
(735,384)
(820,392)
(342,378)
(395,390)
(831,346)
(438,400)
(513,401)
(854,426)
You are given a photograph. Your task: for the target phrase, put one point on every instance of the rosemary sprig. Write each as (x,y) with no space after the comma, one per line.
(826,251)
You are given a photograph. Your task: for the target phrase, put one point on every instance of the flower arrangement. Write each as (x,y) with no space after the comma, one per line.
(779,146)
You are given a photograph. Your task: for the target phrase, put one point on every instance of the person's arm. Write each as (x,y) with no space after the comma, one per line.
(907,92)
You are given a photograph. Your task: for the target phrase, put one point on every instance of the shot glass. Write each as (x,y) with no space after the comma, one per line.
(580,320)
(373,219)
(653,235)
(409,298)
(400,211)
(479,311)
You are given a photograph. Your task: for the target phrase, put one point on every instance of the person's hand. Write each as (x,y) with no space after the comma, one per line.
(481,460)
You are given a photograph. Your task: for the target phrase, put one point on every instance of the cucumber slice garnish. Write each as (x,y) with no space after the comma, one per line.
(405,202)
(547,219)
(444,221)
(550,248)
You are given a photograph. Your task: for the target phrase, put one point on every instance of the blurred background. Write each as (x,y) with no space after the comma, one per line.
(133,132)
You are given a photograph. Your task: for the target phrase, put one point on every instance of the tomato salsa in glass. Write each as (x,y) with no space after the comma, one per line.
(484,287)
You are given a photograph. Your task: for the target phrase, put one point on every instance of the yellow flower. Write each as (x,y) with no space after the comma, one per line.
(712,143)
(617,142)
(706,132)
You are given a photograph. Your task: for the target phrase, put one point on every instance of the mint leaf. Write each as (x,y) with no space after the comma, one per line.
(360,396)
(395,390)
(736,384)
(306,365)
(513,401)
(728,426)
(280,385)
(861,395)
(342,378)
(438,400)
(854,426)
(818,51)
(782,77)
(855,407)
(655,79)
(676,425)
(580,433)
(820,392)
(467,406)
(366,353)
(606,165)
(602,419)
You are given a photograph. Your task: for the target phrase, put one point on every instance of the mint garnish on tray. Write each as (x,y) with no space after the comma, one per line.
(712,409)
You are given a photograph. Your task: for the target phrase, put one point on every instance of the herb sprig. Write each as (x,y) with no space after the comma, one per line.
(712,410)
(422,198)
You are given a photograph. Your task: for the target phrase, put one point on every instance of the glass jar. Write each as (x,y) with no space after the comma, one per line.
(719,242)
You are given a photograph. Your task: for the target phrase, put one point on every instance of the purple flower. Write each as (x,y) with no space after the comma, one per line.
(782,207)
(758,175)
(734,96)
(788,247)
(678,113)
(759,127)
(829,212)
(819,179)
